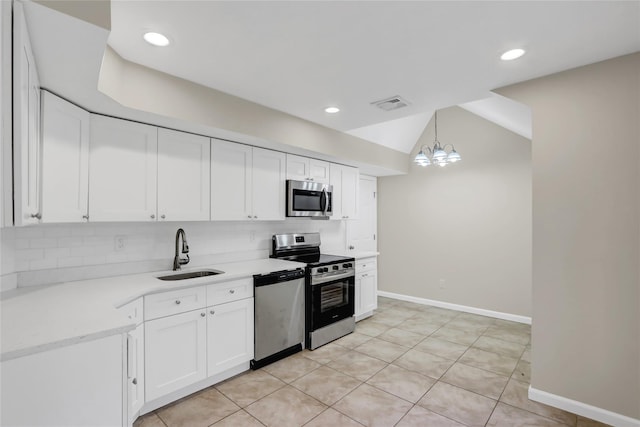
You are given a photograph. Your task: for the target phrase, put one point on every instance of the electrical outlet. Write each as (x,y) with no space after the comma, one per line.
(252,235)
(119,243)
(442,283)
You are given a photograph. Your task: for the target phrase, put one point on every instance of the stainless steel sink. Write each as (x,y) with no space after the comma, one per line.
(191,275)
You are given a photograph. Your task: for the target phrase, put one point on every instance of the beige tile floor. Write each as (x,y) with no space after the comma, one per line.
(407,365)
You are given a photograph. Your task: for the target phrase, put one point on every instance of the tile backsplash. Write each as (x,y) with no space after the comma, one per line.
(52,253)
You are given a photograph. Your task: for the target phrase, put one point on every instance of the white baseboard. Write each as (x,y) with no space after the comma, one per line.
(458,307)
(583,409)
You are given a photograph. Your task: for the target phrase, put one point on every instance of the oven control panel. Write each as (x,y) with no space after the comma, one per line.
(338,268)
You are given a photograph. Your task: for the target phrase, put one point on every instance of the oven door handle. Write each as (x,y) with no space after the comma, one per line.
(332,278)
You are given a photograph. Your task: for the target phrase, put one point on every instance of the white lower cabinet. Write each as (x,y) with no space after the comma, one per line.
(175,352)
(135,372)
(366,284)
(76,385)
(194,334)
(229,335)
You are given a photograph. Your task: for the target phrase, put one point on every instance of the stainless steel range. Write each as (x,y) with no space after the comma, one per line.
(329,287)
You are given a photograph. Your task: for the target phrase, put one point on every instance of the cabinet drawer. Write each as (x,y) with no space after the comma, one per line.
(173,302)
(221,293)
(366,264)
(134,310)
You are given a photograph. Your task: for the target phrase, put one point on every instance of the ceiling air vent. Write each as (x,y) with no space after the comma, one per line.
(392,103)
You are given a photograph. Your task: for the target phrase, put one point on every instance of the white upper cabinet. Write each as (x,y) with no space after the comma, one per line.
(65,160)
(344,180)
(246,182)
(183,176)
(26,125)
(268,184)
(123,170)
(306,169)
(231,167)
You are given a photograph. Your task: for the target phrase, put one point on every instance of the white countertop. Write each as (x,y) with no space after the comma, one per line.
(353,254)
(69,313)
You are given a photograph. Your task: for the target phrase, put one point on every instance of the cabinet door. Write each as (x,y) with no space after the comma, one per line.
(336,195)
(230,181)
(123,158)
(319,171)
(175,352)
(297,167)
(368,292)
(230,335)
(361,233)
(183,176)
(358,297)
(65,161)
(26,125)
(135,371)
(269,183)
(350,178)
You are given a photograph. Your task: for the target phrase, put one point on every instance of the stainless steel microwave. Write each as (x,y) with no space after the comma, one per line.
(308,198)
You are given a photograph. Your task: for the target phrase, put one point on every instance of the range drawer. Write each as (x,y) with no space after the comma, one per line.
(234,290)
(366,264)
(174,302)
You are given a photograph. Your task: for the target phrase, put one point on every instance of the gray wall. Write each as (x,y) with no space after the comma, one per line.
(586,233)
(469,223)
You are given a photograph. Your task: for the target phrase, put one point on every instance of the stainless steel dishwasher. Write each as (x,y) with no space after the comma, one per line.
(279,315)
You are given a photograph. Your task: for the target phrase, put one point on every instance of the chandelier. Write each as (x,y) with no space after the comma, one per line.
(437,154)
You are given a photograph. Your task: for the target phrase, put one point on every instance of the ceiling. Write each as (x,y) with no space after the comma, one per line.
(300,57)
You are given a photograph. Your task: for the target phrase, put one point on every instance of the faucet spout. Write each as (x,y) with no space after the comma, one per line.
(184,249)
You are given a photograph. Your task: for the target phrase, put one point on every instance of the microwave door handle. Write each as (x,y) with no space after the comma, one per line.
(326,201)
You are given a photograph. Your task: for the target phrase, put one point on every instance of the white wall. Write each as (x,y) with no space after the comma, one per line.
(586,233)
(468,224)
(56,253)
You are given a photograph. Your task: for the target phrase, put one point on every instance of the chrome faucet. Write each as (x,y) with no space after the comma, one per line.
(177,261)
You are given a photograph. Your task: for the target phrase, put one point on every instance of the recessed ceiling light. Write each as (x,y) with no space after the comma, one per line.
(512,54)
(331,110)
(156,39)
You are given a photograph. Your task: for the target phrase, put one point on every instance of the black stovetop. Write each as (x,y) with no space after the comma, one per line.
(317,260)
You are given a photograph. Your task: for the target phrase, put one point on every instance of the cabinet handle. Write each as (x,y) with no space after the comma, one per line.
(85,217)
(365,274)
(232,291)
(249,216)
(203,314)
(310,179)
(162,216)
(178,302)
(36,215)
(212,312)
(255,217)
(153,216)
(135,381)
(351,247)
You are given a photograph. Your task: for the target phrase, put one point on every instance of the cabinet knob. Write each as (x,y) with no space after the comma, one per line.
(36,215)
(153,216)
(249,216)
(351,247)
(255,217)
(135,381)
(232,291)
(85,217)
(178,302)
(310,179)
(212,312)
(203,314)
(162,216)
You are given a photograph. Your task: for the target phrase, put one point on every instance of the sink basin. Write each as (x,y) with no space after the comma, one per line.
(191,275)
